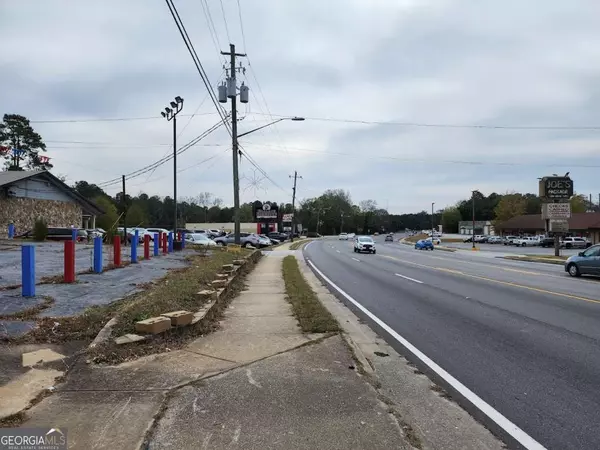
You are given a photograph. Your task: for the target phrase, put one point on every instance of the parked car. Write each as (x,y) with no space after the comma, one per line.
(508,240)
(156,230)
(95,232)
(494,240)
(280,237)
(364,244)
(343,237)
(272,239)
(575,242)
(199,239)
(423,244)
(526,241)
(584,263)
(546,241)
(245,240)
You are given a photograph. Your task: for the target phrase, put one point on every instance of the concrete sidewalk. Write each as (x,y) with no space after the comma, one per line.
(257,382)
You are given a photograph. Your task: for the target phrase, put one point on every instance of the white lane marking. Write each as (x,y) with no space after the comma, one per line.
(408,278)
(337,251)
(356,259)
(518,434)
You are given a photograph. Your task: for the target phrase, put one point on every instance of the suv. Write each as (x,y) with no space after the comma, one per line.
(245,240)
(509,240)
(547,242)
(575,242)
(364,244)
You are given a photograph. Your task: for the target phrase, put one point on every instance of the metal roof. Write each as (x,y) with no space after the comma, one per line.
(9,177)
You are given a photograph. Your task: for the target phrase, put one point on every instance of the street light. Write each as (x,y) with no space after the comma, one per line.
(236,187)
(171,114)
(473,225)
(432,226)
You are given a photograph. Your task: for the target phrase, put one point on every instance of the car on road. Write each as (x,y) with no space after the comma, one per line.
(584,263)
(364,244)
(199,239)
(343,237)
(423,244)
(351,235)
(389,238)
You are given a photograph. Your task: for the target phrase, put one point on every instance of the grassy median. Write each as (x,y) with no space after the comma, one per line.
(312,316)
(299,244)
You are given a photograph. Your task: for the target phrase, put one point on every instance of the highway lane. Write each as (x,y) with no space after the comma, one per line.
(526,344)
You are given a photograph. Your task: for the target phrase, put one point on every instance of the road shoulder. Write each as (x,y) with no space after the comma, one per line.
(423,407)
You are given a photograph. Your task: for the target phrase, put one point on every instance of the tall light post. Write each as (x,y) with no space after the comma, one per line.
(432,226)
(171,114)
(473,225)
(236,205)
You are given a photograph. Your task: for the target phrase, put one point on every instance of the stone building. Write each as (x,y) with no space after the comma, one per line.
(28,195)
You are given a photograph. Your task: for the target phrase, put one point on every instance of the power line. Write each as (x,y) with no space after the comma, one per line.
(445,125)
(190,46)
(428,160)
(242,26)
(260,169)
(113,119)
(162,161)
(225,20)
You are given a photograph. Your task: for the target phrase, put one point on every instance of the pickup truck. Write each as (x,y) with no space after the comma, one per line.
(526,241)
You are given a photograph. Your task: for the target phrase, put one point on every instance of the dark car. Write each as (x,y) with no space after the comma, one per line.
(281,237)
(547,242)
(389,238)
(59,234)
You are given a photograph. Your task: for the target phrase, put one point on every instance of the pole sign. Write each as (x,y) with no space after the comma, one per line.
(556,210)
(265,212)
(556,188)
(559,226)
(287,218)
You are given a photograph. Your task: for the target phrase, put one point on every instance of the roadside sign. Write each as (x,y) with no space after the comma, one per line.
(287,217)
(559,226)
(556,188)
(556,210)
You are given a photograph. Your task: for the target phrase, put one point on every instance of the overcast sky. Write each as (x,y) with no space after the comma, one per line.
(533,63)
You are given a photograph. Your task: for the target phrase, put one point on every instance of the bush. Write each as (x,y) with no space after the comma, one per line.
(40,230)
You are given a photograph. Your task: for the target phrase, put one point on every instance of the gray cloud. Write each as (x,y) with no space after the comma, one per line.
(443,61)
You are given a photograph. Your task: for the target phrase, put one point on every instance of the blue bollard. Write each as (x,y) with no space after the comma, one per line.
(74,234)
(135,240)
(171,242)
(98,254)
(11,230)
(28,270)
(156,243)
(183,240)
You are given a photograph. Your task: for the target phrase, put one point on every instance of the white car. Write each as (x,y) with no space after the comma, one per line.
(351,235)
(343,237)
(200,239)
(436,240)
(364,244)
(526,241)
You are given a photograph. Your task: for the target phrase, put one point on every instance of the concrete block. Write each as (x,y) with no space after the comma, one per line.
(219,284)
(238,262)
(222,276)
(205,294)
(227,267)
(129,339)
(154,325)
(220,292)
(202,312)
(179,318)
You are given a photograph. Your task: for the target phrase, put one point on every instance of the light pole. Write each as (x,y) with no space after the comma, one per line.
(473,224)
(171,114)
(236,187)
(432,227)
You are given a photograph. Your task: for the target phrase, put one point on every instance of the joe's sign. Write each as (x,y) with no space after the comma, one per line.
(556,188)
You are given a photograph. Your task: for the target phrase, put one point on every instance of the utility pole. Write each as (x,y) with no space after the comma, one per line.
(294,204)
(342,224)
(124,199)
(232,93)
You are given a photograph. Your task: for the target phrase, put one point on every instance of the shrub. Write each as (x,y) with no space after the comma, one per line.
(40,230)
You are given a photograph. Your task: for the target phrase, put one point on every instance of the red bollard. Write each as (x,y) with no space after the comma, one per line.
(69,261)
(165,244)
(146,246)
(179,236)
(117,251)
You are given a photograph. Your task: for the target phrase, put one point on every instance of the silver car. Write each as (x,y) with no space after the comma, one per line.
(585,263)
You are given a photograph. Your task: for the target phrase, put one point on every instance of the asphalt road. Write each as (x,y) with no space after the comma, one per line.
(522,336)
(500,248)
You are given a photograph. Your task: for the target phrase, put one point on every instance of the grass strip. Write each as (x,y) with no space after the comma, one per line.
(312,316)
(298,244)
(546,260)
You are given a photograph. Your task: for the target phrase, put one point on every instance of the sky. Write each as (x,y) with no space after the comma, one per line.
(407,102)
